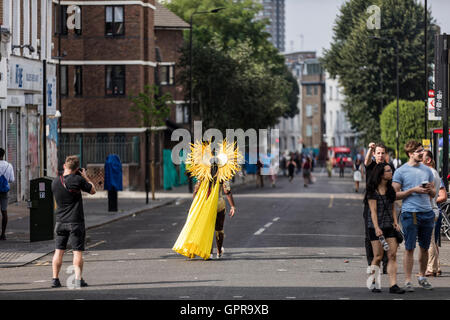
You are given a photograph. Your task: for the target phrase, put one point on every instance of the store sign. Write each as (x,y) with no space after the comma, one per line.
(24,74)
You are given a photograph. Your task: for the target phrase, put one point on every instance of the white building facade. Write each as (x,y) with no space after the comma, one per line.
(338,129)
(26,42)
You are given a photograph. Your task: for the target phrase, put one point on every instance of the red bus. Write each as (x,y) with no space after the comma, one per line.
(336,153)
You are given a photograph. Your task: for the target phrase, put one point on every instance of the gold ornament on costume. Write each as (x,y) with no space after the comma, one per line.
(199,160)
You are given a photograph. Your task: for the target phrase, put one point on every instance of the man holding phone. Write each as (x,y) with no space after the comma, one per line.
(414,184)
(70,226)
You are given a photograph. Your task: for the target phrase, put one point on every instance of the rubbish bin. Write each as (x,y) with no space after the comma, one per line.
(42,217)
(113,180)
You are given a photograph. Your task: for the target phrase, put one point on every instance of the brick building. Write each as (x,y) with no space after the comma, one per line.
(118,50)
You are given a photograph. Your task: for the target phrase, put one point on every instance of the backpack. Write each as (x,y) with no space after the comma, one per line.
(4,186)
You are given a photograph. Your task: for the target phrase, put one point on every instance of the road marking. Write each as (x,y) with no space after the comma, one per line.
(184,297)
(291,297)
(344,298)
(276,219)
(315,235)
(41,281)
(174,224)
(268,225)
(237,297)
(281,270)
(331,201)
(96,244)
(257,233)
(132,298)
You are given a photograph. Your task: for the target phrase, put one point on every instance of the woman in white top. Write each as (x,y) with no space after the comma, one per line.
(433,267)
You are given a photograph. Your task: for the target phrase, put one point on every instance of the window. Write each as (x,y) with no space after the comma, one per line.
(316,90)
(114,21)
(309,110)
(78,81)
(63,81)
(309,90)
(182,113)
(308,130)
(115,80)
(166,75)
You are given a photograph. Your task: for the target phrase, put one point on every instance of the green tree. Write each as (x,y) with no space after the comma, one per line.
(151,109)
(240,79)
(411,124)
(361,61)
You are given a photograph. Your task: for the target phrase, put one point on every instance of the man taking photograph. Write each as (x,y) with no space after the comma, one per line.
(70,218)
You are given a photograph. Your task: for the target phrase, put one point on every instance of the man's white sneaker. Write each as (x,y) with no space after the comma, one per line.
(425,284)
(408,287)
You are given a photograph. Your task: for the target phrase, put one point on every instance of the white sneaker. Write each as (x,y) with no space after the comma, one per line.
(221,253)
(408,287)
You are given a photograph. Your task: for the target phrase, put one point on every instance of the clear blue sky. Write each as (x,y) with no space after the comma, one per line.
(314,20)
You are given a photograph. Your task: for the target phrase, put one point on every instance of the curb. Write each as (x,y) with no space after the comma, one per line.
(50,247)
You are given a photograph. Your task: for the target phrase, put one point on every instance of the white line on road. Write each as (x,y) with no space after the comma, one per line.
(268,225)
(257,233)
(276,219)
(291,297)
(237,297)
(184,297)
(331,201)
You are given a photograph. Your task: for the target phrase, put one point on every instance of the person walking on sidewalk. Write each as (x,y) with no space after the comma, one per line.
(291,168)
(6,177)
(70,225)
(357,174)
(380,197)
(375,155)
(414,184)
(434,267)
(307,171)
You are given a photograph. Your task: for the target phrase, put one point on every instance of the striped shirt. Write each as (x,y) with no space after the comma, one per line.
(384,211)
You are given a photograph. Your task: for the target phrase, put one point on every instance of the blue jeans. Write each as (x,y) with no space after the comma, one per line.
(421,228)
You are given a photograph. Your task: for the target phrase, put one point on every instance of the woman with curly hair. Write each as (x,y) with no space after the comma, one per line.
(382,222)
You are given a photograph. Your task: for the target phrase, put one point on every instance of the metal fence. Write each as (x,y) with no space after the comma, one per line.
(97,149)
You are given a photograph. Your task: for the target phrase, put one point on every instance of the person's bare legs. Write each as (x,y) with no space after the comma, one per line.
(392,260)
(423,261)
(4,223)
(78,264)
(408,263)
(57,262)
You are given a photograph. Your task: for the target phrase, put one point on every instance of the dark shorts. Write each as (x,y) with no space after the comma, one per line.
(220,219)
(72,233)
(387,232)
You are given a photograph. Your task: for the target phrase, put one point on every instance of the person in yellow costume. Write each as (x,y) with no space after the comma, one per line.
(213,172)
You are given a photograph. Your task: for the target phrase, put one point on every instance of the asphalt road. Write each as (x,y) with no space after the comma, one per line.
(284,243)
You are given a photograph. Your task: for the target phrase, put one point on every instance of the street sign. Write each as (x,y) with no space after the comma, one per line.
(432,110)
(431,93)
(426,143)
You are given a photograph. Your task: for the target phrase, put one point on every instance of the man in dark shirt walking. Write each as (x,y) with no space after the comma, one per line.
(70,218)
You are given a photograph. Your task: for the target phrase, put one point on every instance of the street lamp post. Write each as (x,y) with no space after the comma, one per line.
(191,94)
(397,90)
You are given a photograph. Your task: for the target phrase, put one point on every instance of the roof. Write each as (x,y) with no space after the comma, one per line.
(164,18)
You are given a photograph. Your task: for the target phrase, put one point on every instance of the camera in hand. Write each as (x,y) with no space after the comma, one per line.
(79,171)
(384,243)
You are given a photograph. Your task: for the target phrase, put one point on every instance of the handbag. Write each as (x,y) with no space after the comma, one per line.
(398,234)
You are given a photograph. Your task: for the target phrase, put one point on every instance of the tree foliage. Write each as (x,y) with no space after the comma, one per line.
(151,108)
(240,79)
(361,61)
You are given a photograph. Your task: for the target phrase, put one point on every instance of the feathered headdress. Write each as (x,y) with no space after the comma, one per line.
(200,160)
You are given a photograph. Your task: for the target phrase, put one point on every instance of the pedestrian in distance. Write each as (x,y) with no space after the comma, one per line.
(341,167)
(6,177)
(434,266)
(274,171)
(380,197)
(414,184)
(307,171)
(259,176)
(329,167)
(291,169)
(375,155)
(357,173)
(70,226)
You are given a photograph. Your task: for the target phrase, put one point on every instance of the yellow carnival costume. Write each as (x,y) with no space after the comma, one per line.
(197,235)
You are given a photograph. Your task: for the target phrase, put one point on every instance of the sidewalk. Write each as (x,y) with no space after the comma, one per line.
(17,250)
